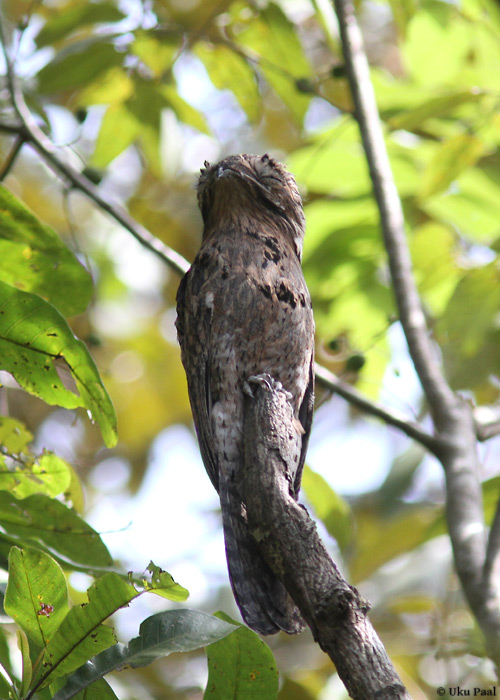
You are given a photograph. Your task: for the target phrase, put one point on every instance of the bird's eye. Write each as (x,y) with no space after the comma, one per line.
(271,177)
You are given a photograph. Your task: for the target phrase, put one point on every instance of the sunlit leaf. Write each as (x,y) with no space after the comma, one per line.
(113,86)
(229,71)
(68,18)
(473,206)
(450,159)
(449,37)
(159,635)
(27,672)
(240,666)
(34,259)
(435,107)
(334,163)
(164,585)
(40,518)
(78,64)
(381,539)
(185,112)
(282,61)
(468,330)
(33,335)
(333,511)
(403,11)
(47,474)
(400,477)
(325,218)
(37,596)
(436,274)
(14,435)
(82,635)
(5,652)
(156,52)
(119,129)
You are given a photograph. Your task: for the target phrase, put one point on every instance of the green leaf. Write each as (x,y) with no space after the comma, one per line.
(156,53)
(329,507)
(334,163)
(468,330)
(69,17)
(4,649)
(241,666)
(100,690)
(381,539)
(14,435)
(449,37)
(78,64)
(81,635)
(400,477)
(33,258)
(229,71)
(47,474)
(164,585)
(325,218)
(112,87)
(33,335)
(184,112)
(42,519)
(474,205)
(27,475)
(27,672)
(159,635)
(5,688)
(437,274)
(273,37)
(435,107)
(119,129)
(36,596)
(450,159)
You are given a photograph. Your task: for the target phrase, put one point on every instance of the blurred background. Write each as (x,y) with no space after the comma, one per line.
(138,95)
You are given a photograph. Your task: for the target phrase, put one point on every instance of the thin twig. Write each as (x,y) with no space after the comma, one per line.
(11,157)
(453,422)
(414,430)
(487,421)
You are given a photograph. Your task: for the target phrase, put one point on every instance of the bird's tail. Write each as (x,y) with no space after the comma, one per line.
(264,602)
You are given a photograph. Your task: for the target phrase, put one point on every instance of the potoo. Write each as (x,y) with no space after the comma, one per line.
(243,309)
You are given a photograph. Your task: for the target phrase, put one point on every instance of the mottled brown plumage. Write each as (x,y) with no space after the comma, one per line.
(243,309)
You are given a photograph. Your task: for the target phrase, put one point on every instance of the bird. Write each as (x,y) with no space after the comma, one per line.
(243,312)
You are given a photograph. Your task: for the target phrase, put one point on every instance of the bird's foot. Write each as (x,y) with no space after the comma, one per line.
(265,381)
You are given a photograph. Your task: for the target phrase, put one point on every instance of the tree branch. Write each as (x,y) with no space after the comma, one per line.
(487,420)
(414,430)
(11,157)
(288,540)
(454,427)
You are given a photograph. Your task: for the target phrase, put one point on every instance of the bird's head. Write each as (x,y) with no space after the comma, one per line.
(249,190)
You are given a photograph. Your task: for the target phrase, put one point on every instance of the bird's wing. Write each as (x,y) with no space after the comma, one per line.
(193,330)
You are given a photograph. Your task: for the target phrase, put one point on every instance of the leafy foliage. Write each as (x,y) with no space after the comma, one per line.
(143,95)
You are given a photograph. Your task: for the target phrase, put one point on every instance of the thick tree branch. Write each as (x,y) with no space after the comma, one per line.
(454,427)
(288,540)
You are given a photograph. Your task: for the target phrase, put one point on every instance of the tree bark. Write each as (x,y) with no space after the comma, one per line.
(288,540)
